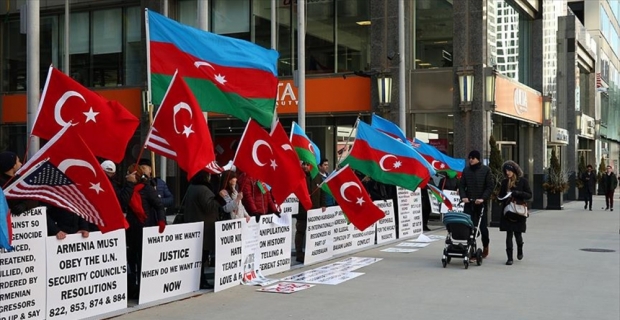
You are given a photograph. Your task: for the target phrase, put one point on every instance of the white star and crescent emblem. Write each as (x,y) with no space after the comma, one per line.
(178,107)
(221,79)
(68,163)
(397,164)
(438,164)
(90,115)
(255,147)
(345,186)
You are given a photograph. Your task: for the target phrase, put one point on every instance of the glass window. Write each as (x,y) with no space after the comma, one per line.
(107,57)
(133,47)
(320,37)
(436,129)
(79,46)
(287,37)
(14,58)
(261,15)
(352,35)
(231,18)
(433,34)
(188,12)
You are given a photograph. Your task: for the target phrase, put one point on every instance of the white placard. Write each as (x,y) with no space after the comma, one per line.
(290,205)
(319,240)
(286,287)
(399,250)
(386,227)
(22,271)
(416,214)
(405,212)
(455,198)
(275,243)
(250,253)
(342,240)
(171,261)
(363,239)
(86,277)
(228,252)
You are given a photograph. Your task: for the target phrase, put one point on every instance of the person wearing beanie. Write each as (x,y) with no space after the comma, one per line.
(475,190)
(511,222)
(9,164)
(160,185)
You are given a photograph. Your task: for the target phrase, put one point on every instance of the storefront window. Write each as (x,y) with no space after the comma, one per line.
(433,34)
(133,47)
(188,12)
(107,44)
(231,18)
(261,15)
(436,129)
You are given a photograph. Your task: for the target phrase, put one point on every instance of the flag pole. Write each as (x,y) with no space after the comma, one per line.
(348,139)
(149,97)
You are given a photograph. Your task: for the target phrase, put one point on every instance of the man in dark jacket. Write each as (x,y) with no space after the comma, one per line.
(589,184)
(475,190)
(61,222)
(610,183)
(317,195)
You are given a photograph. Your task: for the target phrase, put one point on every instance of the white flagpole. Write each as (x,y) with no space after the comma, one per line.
(65,60)
(301,62)
(402,104)
(32,70)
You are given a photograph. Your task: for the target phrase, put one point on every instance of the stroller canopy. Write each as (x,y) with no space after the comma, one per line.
(457,217)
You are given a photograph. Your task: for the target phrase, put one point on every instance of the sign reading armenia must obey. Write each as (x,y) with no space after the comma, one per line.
(22,271)
(86,277)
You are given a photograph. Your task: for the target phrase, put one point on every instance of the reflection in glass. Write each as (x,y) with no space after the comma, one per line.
(436,129)
(433,34)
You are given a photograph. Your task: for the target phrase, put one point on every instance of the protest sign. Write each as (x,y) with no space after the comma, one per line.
(455,198)
(405,212)
(363,239)
(416,213)
(171,261)
(275,243)
(319,238)
(343,231)
(86,277)
(22,271)
(386,227)
(290,205)
(252,275)
(228,250)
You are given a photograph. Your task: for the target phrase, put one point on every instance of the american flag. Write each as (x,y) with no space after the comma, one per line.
(45,182)
(159,145)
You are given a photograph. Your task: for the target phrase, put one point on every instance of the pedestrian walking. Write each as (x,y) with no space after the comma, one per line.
(589,184)
(511,222)
(610,183)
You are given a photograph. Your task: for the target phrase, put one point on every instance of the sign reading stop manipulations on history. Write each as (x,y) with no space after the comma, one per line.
(22,271)
(86,276)
(171,261)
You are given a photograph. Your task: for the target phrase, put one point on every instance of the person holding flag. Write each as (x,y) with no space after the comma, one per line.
(317,195)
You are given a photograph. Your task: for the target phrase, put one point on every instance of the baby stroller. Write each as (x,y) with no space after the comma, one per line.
(461,238)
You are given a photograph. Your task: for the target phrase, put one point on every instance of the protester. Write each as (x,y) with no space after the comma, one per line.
(317,195)
(426,208)
(230,198)
(589,184)
(610,183)
(511,222)
(324,172)
(61,222)
(9,164)
(110,170)
(201,206)
(257,199)
(475,190)
(143,209)
(167,199)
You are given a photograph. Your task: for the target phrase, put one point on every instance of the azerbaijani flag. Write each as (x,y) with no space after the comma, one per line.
(441,162)
(388,127)
(387,160)
(226,75)
(307,150)
(6,229)
(440,196)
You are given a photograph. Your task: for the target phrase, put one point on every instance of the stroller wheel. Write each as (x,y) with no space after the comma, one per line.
(466,263)
(444,262)
(479,256)
(448,259)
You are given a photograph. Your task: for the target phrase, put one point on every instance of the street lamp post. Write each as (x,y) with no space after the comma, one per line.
(490,87)
(384,88)
(466,87)
(547,110)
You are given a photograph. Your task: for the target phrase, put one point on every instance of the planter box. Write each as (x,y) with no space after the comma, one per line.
(555,201)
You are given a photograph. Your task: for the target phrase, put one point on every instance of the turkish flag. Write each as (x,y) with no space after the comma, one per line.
(353,199)
(106,126)
(259,156)
(180,122)
(297,174)
(66,174)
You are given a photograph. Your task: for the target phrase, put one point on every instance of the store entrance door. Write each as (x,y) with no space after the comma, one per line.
(507,148)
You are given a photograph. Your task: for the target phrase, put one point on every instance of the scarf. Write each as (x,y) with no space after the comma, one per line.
(135,203)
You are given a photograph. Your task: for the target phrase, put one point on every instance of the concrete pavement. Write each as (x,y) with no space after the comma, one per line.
(555,280)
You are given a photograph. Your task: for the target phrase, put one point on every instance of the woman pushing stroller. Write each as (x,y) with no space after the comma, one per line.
(512,222)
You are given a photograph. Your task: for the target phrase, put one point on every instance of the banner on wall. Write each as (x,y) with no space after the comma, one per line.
(86,277)
(22,271)
(386,227)
(319,238)
(228,250)
(171,261)
(275,243)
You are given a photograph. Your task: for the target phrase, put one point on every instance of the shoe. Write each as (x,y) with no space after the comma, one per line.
(300,258)
(605,209)
(590,209)
(206,286)
(612,209)
(485,252)
(520,252)
(509,262)
(585,207)
(509,255)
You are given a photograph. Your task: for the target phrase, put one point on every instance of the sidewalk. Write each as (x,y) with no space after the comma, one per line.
(555,280)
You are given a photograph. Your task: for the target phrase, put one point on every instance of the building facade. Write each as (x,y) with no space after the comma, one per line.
(474,68)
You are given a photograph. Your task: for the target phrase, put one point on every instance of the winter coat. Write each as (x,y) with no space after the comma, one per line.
(610,182)
(589,181)
(231,206)
(254,200)
(317,195)
(521,192)
(153,208)
(202,206)
(167,199)
(17,206)
(476,183)
(59,219)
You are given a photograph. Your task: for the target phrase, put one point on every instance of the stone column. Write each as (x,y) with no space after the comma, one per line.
(471,128)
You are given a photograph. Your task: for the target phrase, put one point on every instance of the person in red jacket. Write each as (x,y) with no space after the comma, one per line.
(257,199)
